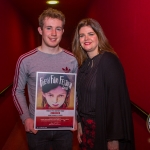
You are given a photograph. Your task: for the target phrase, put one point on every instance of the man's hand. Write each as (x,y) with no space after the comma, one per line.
(79,133)
(29,125)
(113,145)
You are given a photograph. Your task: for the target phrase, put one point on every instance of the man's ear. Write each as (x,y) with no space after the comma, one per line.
(40,30)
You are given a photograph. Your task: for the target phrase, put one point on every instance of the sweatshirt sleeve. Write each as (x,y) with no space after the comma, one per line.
(18,91)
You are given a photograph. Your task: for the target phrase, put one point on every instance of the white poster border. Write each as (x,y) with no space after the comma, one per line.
(59,118)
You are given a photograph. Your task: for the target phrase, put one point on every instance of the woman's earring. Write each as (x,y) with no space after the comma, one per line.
(99,48)
(81,47)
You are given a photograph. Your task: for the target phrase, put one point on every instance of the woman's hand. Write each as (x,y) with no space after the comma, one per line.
(113,145)
(75,126)
(79,133)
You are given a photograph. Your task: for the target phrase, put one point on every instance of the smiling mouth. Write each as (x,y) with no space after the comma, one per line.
(87,43)
(53,39)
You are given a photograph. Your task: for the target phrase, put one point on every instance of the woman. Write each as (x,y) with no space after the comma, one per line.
(104,113)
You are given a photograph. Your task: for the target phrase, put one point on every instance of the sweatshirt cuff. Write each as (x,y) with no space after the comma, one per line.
(24,117)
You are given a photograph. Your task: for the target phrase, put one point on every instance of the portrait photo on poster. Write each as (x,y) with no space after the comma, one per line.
(55,101)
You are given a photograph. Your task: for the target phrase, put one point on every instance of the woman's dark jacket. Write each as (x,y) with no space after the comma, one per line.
(113,108)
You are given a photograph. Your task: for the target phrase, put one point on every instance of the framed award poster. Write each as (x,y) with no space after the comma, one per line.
(55,101)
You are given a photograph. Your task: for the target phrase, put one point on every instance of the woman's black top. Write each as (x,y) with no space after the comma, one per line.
(86,87)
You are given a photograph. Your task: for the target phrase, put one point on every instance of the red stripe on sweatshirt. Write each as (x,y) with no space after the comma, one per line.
(68,52)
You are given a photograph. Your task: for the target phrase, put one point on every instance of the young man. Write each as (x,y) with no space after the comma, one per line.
(49,57)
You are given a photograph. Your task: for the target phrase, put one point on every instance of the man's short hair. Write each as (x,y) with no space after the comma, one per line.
(52,13)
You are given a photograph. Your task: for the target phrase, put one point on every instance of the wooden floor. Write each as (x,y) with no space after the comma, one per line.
(17,139)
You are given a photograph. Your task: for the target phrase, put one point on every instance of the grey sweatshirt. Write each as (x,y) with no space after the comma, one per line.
(27,66)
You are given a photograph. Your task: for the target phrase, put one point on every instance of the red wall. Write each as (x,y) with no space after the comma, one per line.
(126,25)
(16,37)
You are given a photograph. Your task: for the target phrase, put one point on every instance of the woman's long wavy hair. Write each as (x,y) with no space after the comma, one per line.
(104,45)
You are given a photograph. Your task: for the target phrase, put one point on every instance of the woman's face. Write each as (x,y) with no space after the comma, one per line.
(56,97)
(88,40)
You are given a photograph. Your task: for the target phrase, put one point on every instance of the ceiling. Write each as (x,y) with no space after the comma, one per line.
(74,10)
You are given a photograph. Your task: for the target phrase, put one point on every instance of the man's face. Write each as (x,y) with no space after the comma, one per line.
(56,97)
(51,32)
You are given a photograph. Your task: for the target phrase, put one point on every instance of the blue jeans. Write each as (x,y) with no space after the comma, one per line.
(46,139)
